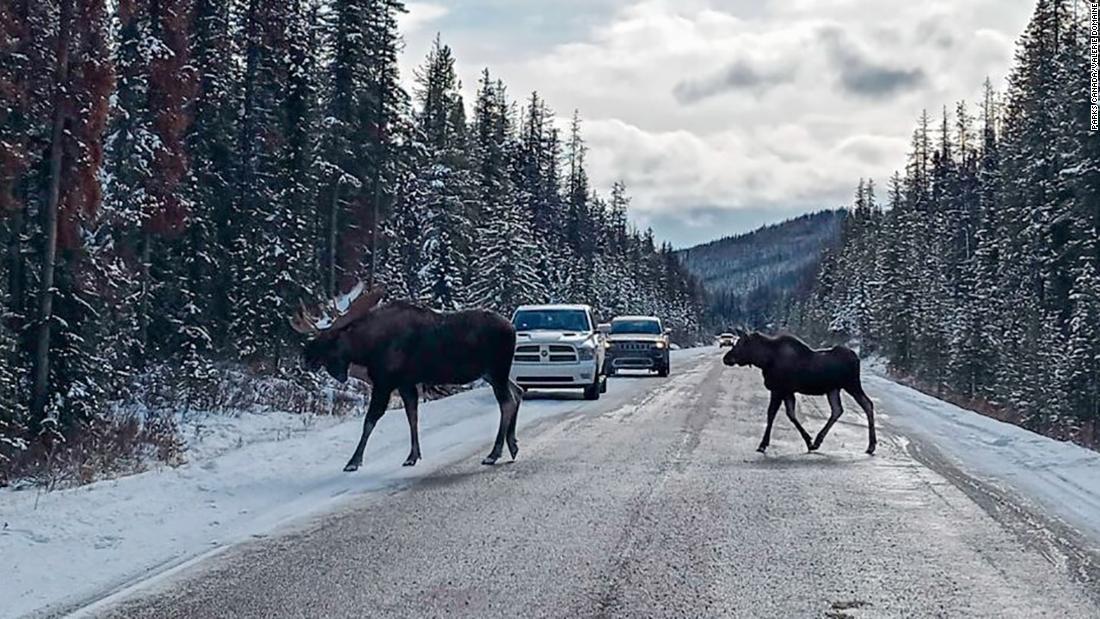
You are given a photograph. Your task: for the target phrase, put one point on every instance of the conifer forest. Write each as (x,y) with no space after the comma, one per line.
(176,175)
(975,271)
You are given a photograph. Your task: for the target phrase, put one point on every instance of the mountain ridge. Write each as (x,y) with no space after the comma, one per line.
(753,278)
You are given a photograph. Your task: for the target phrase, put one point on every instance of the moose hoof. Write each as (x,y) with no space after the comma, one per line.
(762,449)
(514,450)
(351,468)
(410,462)
(490,460)
(871,450)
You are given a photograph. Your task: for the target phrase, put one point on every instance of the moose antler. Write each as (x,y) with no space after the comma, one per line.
(339,313)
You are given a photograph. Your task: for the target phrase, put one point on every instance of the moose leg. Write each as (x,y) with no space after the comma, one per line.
(838,410)
(517,399)
(379,400)
(789,402)
(773,408)
(411,397)
(502,389)
(869,409)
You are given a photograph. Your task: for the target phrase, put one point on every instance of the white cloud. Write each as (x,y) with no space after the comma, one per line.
(420,15)
(742,104)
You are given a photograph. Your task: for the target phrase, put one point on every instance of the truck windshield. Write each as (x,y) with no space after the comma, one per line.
(551,320)
(650,327)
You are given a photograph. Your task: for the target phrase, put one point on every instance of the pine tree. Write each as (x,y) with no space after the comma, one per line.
(64,387)
(505,269)
(1081,379)
(204,250)
(444,181)
(272,246)
(359,159)
(987,309)
(147,159)
(578,231)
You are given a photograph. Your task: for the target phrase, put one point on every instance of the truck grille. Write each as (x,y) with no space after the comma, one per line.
(527,354)
(560,353)
(633,346)
(545,353)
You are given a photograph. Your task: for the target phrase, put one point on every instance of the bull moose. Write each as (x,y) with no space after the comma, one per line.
(402,347)
(790,367)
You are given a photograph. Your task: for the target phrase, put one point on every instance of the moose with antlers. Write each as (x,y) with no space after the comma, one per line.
(402,347)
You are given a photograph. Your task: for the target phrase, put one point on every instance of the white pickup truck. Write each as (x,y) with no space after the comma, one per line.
(558,347)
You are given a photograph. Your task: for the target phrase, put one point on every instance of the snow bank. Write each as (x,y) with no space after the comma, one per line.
(245,476)
(1061,477)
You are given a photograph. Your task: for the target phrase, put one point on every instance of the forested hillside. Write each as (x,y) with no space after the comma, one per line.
(979,278)
(175,175)
(754,279)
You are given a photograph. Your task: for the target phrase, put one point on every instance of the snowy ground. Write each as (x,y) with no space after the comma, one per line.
(245,476)
(249,475)
(1062,478)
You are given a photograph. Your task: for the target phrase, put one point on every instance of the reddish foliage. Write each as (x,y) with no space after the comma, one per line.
(16,83)
(91,81)
(172,86)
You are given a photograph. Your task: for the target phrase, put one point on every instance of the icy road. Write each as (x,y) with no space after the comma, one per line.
(649,503)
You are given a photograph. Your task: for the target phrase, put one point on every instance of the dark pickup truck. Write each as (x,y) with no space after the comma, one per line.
(636,343)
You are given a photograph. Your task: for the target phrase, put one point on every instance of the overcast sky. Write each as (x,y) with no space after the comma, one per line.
(721,115)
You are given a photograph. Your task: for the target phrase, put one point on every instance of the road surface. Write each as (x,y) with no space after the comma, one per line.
(658,508)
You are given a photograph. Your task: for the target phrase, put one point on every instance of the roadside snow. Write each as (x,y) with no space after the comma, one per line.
(1061,477)
(245,476)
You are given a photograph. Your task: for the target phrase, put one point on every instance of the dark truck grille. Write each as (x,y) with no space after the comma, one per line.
(632,346)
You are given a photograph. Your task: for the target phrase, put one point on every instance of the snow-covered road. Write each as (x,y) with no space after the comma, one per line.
(663,466)
(61,549)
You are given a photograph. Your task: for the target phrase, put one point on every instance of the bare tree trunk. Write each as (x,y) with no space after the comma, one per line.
(376,188)
(333,219)
(40,391)
(146,291)
(16,265)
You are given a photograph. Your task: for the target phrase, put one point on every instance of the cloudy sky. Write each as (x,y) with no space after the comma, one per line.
(721,115)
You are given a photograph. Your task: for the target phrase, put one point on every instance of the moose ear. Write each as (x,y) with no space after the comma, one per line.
(373,297)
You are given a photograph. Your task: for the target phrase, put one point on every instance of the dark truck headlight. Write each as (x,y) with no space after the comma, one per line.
(586,354)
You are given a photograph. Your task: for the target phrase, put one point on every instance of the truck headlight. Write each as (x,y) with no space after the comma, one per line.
(586,354)
(660,345)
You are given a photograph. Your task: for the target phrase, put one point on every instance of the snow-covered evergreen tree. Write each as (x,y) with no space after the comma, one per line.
(444,180)
(987,256)
(505,265)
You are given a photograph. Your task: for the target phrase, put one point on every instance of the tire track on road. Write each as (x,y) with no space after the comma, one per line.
(636,536)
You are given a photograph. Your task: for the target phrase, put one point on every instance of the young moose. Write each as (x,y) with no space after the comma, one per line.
(403,346)
(790,367)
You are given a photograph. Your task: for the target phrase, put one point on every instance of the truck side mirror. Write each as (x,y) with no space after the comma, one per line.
(604,328)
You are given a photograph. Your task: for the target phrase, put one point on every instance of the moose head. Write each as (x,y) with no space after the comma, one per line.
(327,329)
(746,351)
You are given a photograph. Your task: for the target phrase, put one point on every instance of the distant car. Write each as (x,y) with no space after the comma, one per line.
(637,343)
(558,347)
(726,339)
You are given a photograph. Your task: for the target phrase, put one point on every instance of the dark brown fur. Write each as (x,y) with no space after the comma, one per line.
(790,367)
(402,347)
